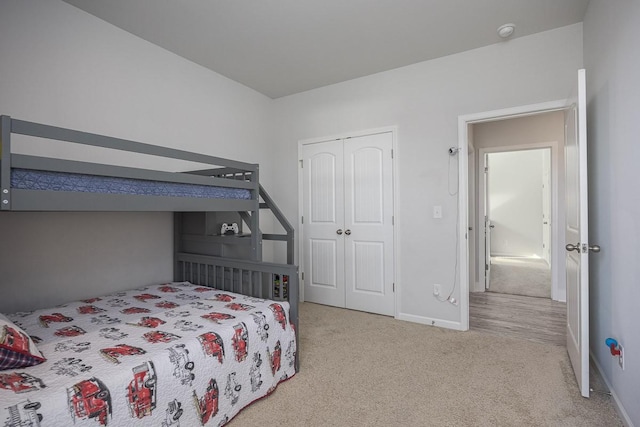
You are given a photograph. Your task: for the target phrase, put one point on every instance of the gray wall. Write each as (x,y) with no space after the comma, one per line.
(64,67)
(424,101)
(48,258)
(612,61)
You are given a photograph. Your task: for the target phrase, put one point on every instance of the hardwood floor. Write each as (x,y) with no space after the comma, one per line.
(535,319)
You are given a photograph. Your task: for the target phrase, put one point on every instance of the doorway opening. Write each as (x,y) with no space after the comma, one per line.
(517,217)
(518,129)
(517,163)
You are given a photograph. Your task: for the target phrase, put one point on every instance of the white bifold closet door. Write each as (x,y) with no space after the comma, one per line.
(348,223)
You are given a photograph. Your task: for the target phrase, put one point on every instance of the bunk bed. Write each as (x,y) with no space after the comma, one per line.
(196,350)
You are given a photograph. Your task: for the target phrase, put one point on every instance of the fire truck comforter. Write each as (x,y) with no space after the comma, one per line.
(165,355)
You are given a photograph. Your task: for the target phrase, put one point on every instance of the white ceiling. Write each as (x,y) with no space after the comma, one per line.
(281,47)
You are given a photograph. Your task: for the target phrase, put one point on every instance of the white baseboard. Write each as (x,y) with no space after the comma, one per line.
(447,324)
(621,411)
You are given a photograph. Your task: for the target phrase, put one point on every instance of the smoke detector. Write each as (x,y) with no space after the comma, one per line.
(506,30)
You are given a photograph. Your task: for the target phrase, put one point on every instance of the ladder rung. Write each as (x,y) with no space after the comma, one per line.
(282,237)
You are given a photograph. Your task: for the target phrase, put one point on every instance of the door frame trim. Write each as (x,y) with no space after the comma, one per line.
(344,135)
(463,171)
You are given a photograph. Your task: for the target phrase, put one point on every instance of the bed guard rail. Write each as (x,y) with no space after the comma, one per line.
(8,160)
(278,282)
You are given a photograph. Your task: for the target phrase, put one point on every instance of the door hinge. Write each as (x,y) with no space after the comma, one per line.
(393,220)
(303,276)
(301,164)
(302,220)
(486,267)
(394,287)
(392,153)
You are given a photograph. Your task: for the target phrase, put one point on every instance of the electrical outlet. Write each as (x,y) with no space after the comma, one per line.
(621,357)
(437,289)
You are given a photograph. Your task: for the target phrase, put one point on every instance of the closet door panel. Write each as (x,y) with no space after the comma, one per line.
(323,219)
(368,213)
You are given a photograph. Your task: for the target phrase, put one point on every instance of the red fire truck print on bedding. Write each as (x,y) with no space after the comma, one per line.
(19,382)
(90,399)
(141,392)
(240,341)
(134,310)
(14,339)
(214,316)
(168,288)
(145,297)
(24,414)
(91,300)
(166,304)
(239,307)
(45,319)
(207,405)
(148,322)
(70,331)
(160,336)
(223,297)
(113,353)
(275,358)
(278,312)
(212,345)
(202,289)
(90,309)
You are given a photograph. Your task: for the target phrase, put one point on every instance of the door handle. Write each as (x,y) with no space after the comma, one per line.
(347,232)
(339,231)
(576,247)
(492,226)
(571,247)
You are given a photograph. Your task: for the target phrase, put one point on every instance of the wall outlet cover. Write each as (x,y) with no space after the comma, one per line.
(621,357)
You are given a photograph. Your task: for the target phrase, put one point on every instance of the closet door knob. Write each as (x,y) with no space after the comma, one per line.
(570,247)
(339,231)
(347,232)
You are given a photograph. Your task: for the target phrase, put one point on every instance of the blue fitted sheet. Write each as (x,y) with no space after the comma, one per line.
(27,179)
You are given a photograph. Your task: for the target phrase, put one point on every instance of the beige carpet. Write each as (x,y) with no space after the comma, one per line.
(520,276)
(360,369)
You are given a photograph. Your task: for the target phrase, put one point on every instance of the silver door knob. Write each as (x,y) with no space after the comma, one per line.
(571,247)
(594,248)
(339,231)
(347,232)
(492,226)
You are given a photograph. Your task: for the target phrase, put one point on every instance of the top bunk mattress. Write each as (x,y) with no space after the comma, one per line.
(27,179)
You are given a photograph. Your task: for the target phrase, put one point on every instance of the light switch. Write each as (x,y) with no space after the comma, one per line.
(437,211)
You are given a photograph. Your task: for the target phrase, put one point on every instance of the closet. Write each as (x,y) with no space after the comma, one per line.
(347,222)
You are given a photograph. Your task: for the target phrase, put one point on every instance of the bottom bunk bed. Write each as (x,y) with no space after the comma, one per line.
(162,355)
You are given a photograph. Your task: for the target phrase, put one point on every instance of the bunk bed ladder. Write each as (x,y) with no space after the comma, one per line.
(288,237)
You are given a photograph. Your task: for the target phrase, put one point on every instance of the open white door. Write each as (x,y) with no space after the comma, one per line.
(487,226)
(546,205)
(577,238)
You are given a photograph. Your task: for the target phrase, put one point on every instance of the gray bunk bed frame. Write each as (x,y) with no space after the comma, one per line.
(201,255)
